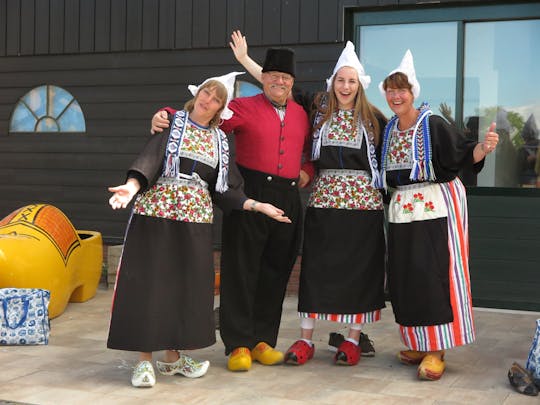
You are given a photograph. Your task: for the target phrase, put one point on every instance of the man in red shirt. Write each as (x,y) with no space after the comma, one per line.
(271,133)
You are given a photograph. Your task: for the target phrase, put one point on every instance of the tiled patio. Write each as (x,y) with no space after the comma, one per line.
(76,368)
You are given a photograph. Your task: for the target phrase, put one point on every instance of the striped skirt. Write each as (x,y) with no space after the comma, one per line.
(460,330)
(366,317)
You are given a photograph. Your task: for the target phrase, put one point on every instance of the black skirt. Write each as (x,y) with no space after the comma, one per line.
(164,291)
(342,261)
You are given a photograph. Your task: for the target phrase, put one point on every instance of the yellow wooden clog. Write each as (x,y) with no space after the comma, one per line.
(239,359)
(40,248)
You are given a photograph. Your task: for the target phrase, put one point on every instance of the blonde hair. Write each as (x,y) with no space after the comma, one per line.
(221,93)
(362,107)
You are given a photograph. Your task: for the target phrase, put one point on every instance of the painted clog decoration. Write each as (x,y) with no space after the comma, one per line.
(40,248)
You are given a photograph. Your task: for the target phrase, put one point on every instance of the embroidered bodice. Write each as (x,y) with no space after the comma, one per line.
(200,144)
(399,149)
(342,131)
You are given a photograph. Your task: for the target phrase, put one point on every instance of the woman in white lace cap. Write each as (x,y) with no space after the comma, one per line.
(164,296)
(428,246)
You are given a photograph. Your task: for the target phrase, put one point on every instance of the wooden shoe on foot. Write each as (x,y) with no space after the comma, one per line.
(239,359)
(266,354)
(348,354)
(413,357)
(431,368)
(299,353)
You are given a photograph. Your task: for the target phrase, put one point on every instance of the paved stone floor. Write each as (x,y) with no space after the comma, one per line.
(76,368)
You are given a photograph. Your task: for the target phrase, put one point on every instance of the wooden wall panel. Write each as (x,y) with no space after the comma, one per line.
(167,11)
(184,18)
(102,31)
(290,18)
(244,13)
(271,22)
(72,29)
(56,26)
(217,37)
(27,27)
(150,24)
(13,15)
(71,26)
(118,25)
(309,18)
(329,11)
(504,243)
(200,23)
(134,19)
(87,26)
(3,16)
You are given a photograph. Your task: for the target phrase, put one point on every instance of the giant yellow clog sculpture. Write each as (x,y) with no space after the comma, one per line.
(40,248)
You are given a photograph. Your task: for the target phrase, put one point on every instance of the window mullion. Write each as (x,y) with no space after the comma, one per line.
(460,74)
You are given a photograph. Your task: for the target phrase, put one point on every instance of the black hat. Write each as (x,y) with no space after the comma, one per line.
(280,60)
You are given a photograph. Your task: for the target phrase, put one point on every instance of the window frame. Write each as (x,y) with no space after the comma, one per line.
(21,101)
(460,15)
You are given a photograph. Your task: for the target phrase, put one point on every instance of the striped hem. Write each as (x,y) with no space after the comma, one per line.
(461,330)
(366,317)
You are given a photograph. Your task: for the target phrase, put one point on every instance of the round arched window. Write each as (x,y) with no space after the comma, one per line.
(47,109)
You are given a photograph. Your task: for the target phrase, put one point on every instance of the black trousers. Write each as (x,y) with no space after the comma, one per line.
(257,257)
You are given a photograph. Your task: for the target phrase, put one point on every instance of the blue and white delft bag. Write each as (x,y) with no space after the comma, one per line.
(533,361)
(24,316)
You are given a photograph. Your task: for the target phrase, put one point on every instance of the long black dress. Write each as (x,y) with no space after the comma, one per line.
(342,275)
(164,290)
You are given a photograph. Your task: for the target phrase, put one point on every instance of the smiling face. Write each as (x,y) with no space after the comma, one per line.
(398,94)
(277,86)
(345,85)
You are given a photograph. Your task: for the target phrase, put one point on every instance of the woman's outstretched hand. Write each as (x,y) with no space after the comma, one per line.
(122,195)
(267,209)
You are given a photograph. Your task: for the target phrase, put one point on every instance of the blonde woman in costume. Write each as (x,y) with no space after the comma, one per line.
(164,296)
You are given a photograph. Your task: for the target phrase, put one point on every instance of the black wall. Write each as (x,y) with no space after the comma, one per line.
(122,60)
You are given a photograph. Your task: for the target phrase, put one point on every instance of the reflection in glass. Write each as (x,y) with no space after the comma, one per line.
(47,124)
(36,101)
(47,109)
(246,89)
(23,119)
(69,120)
(501,85)
(434,60)
(59,99)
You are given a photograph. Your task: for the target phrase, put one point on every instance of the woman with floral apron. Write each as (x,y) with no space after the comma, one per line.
(163,297)
(428,245)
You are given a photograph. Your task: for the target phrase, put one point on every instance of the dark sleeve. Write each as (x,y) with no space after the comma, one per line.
(452,150)
(143,181)
(148,165)
(234,197)
(304,98)
(382,124)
